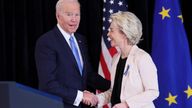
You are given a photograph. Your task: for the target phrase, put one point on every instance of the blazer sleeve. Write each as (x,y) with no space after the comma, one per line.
(104,98)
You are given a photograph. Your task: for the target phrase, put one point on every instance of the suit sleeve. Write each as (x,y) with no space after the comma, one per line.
(96,81)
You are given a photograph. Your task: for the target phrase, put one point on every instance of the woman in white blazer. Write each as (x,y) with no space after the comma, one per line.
(134,82)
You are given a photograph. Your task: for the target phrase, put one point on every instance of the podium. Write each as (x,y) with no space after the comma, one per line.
(15,95)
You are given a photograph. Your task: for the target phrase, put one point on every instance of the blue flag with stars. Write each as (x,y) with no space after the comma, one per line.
(170,52)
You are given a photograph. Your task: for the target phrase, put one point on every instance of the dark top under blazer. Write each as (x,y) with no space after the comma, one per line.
(58,71)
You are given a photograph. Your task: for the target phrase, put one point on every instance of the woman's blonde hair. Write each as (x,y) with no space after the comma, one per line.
(129,24)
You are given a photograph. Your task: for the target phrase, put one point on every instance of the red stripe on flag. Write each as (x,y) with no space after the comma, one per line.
(105,106)
(104,67)
(112,51)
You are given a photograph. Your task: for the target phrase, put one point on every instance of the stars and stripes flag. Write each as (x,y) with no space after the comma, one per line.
(170,52)
(107,52)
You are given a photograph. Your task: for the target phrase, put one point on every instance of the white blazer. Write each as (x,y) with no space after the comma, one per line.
(139,84)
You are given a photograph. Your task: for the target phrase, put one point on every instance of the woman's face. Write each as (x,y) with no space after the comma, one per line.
(115,34)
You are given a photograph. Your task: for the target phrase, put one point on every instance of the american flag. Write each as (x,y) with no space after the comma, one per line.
(107,52)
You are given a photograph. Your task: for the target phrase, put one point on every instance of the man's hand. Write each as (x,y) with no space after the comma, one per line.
(89,98)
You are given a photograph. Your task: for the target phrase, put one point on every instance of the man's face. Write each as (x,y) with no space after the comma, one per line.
(69,17)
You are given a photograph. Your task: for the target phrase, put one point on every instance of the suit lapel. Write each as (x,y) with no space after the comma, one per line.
(82,51)
(128,66)
(66,47)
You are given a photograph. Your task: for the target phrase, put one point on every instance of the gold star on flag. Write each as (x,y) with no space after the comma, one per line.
(165,13)
(188,92)
(181,17)
(171,99)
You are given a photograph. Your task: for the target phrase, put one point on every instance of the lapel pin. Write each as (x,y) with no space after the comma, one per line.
(126,70)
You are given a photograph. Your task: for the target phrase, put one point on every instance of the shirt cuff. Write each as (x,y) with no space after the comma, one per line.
(78,98)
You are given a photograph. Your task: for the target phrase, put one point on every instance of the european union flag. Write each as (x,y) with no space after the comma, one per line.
(170,52)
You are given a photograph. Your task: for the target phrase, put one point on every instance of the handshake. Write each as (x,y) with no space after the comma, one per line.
(89,98)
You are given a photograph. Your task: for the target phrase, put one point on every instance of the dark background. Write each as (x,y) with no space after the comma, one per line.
(22,22)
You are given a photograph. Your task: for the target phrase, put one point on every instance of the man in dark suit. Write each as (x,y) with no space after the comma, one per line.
(62,60)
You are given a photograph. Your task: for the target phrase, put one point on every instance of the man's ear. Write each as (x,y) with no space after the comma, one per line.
(58,17)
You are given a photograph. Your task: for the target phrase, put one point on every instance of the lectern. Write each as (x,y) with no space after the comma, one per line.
(15,95)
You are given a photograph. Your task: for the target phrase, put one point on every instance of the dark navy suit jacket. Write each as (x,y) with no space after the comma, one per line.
(58,71)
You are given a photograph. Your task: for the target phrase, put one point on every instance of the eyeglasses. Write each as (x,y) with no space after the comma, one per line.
(112,29)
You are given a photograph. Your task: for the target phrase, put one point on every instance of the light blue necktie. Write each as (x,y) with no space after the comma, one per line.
(75,53)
